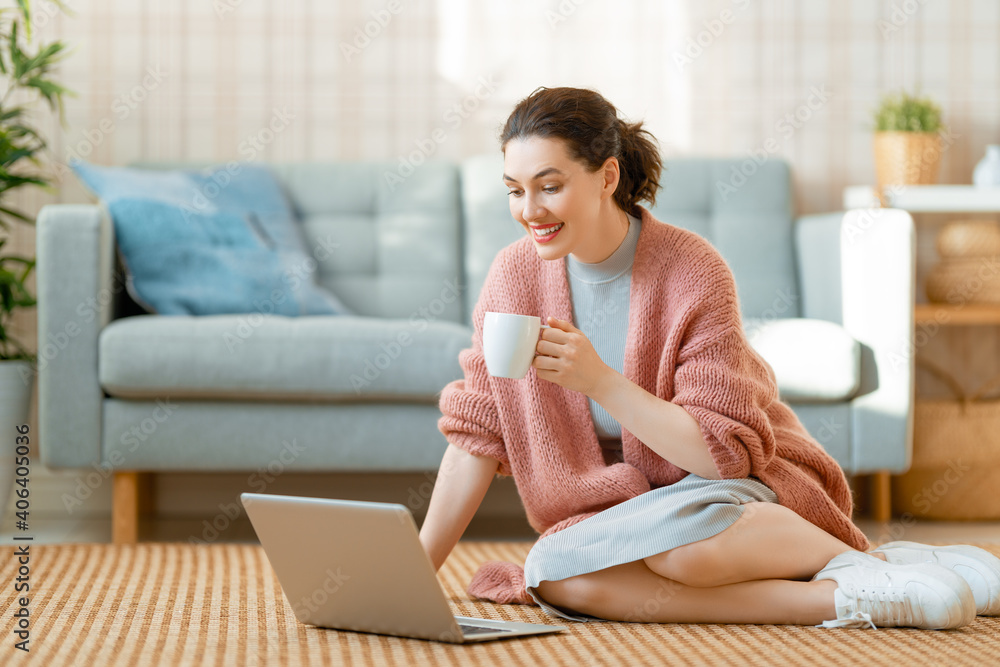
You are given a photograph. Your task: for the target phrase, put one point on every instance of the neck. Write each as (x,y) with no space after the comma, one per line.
(604,244)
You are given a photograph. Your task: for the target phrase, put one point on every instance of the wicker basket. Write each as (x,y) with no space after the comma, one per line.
(969,238)
(907,158)
(960,493)
(955,471)
(971,280)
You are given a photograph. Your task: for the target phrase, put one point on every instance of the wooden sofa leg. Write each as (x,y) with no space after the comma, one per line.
(881,497)
(125,508)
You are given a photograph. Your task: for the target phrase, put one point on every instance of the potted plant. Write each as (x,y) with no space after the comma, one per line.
(25,73)
(907,140)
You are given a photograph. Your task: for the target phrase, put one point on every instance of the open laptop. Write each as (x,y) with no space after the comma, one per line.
(354,565)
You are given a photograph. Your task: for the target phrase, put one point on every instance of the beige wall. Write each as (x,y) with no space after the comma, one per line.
(169,80)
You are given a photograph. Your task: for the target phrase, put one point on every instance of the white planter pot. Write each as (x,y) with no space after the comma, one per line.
(987,171)
(16,382)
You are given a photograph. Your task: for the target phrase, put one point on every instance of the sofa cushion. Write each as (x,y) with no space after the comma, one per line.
(385,246)
(814,361)
(210,241)
(280,358)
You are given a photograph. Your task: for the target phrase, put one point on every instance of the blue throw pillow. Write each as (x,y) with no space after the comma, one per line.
(209,242)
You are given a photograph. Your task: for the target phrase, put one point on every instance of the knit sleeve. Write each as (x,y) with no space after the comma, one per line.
(469,417)
(721,380)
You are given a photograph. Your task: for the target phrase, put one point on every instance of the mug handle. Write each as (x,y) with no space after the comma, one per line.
(542,326)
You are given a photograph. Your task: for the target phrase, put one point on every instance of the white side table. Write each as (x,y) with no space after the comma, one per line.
(929,199)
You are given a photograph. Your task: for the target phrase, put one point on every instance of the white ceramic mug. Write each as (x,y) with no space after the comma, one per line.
(509,343)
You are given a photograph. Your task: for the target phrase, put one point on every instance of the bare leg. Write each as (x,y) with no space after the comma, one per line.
(633,592)
(768,541)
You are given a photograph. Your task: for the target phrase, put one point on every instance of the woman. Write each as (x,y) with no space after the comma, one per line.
(649,446)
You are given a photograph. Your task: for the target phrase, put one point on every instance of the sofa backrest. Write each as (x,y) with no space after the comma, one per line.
(420,244)
(742,208)
(386,245)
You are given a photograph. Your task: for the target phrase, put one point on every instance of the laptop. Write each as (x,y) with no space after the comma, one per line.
(355,565)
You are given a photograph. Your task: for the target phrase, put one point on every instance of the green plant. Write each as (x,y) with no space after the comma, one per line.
(26,73)
(900,112)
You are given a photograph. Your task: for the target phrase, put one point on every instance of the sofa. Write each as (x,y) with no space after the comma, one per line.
(826,300)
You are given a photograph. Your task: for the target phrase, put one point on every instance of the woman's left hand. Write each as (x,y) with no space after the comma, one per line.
(565,356)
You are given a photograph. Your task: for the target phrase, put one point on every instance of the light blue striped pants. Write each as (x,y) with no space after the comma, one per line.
(671,516)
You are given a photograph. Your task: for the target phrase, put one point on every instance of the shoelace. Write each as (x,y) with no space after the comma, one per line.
(886,605)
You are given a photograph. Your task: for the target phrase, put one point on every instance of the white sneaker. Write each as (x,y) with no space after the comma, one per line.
(978,567)
(871,592)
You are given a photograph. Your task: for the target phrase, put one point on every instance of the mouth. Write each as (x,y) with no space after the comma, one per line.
(547,233)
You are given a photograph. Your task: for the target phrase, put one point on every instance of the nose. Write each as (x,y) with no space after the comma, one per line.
(532,211)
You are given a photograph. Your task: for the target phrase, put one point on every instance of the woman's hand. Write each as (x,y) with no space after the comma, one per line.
(565,356)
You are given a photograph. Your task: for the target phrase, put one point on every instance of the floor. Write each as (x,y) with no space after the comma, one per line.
(174,604)
(47,530)
(62,530)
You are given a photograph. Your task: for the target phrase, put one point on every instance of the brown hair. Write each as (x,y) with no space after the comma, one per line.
(590,126)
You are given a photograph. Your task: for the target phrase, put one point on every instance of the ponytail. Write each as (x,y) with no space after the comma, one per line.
(640,166)
(590,126)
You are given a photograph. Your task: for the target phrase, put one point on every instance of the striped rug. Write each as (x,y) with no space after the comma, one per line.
(180,604)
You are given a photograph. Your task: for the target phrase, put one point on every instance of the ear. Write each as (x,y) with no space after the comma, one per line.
(612,175)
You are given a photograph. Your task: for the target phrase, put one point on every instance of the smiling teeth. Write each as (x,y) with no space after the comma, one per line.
(548,230)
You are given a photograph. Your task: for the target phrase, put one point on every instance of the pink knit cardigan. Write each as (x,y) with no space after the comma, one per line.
(686,345)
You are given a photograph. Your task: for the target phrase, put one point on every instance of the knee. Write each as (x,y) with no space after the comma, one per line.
(698,564)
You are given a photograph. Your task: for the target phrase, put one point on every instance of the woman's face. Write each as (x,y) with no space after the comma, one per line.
(558,201)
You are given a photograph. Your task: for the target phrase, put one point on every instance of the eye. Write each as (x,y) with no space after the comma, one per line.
(516,193)
(551,190)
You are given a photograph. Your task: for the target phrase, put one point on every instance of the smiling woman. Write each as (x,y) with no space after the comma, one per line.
(649,445)
(565,190)
(561,165)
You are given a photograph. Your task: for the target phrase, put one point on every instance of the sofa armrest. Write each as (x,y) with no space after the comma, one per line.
(817,252)
(878,280)
(76,294)
(858,269)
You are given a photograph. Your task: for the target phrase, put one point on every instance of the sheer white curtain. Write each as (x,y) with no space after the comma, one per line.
(625,50)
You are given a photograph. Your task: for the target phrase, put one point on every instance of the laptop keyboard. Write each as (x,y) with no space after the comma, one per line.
(478,629)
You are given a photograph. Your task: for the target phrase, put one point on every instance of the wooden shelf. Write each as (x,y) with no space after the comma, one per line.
(928,198)
(937,199)
(947,314)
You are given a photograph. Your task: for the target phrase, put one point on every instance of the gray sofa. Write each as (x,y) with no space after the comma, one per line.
(145,393)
